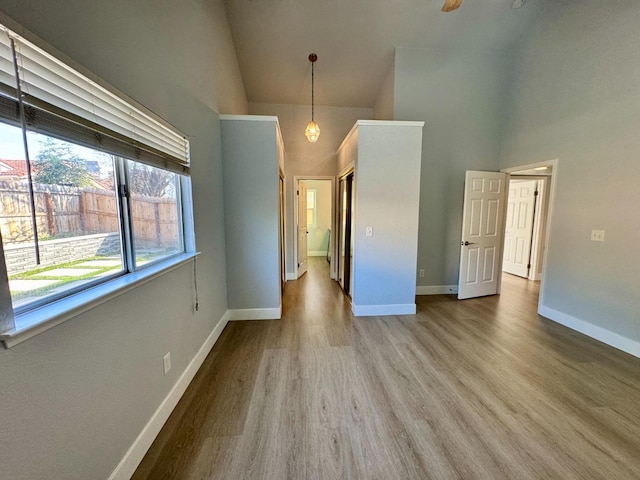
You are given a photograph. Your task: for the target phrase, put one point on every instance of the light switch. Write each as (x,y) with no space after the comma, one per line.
(369,232)
(597,235)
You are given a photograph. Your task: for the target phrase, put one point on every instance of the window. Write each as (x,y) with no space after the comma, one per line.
(311,206)
(92,188)
(155,212)
(73,237)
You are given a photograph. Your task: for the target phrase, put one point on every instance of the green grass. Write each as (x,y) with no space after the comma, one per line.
(73,264)
(92,272)
(61,280)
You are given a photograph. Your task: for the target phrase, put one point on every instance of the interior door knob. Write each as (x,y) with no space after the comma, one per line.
(466,244)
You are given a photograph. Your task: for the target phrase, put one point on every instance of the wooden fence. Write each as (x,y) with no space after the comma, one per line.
(71,211)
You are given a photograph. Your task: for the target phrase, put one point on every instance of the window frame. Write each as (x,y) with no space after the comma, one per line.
(22,323)
(314,209)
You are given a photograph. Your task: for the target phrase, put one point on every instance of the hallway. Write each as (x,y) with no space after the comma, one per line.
(481,388)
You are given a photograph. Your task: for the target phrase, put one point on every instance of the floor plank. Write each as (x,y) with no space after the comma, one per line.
(480,388)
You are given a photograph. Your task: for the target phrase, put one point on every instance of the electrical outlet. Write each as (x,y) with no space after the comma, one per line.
(166,360)
(369,232)
(422,272)
(597,235)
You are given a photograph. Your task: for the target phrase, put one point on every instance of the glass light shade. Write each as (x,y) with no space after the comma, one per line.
(312,131)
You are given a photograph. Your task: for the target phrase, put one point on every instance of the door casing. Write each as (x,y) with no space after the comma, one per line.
(546,223)
(296,180)
(549,208)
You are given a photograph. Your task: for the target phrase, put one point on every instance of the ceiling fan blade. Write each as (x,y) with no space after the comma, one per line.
(451,5)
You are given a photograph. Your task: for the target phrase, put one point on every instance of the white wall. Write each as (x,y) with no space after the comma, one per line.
(74,399)
(305,158)
(575,96)
(318,238)
(460,95)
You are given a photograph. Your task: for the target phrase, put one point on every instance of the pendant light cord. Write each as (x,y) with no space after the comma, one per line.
(312,92)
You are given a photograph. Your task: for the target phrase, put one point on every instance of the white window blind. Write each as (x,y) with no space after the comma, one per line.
(7,72)
(55,88)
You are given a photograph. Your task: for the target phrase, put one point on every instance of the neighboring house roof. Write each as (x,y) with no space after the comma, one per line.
(13,168)
(102,184)
(18,169)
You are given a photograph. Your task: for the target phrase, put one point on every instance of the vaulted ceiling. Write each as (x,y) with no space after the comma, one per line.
(355,42)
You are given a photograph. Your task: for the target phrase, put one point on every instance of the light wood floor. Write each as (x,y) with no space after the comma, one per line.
(481,388)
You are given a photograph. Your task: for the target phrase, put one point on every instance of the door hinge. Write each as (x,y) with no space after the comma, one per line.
(297,192)
(535,194)
(529,266)
(298,264)
(122,191)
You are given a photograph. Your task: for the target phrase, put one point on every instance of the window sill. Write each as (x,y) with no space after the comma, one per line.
(41,319)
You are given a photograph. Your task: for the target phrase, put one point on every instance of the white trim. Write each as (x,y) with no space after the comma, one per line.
(39,320)
(379,123)
(553,163)
(140,446)
(226,317)
(255,314)
(379,310)
(436,289)
(351,168)
(7,320)
(257,118)
(317,253)
(601,334)
(391,123)
(348,136)
(292,276)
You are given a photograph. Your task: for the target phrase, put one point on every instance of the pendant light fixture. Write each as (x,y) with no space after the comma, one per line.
(313,130)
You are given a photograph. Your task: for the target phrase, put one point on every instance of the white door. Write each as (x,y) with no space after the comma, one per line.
(482,234)
(302,228)
(519,227)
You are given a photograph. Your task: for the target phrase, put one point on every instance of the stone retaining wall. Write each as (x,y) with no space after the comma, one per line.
(21,258)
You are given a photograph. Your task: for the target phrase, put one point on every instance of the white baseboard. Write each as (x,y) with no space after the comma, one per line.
(317,253)
(436,289)
(141,445)
(602,334)
(378,310)
(255,314)
(292,276)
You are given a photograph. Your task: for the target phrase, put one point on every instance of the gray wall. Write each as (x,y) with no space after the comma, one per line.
(383,105)
(303,157)
(74,399)
(575,96)
(460,96)
(387,190)
(251,200)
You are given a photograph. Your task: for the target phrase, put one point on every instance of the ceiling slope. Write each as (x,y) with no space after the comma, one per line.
(355,41)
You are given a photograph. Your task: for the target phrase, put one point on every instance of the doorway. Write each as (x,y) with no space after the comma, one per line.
(527,220)
(281,234)
(485,211)
(315,217)
(525,225)
(345,237)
